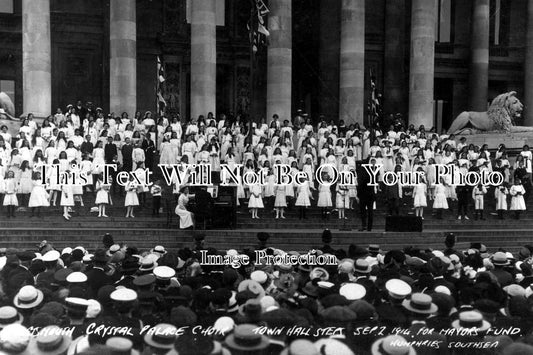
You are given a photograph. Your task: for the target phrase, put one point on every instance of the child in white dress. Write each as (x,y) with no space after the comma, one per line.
(67,199)
(256,201)
(420,197)
(131,199)
(38,197)
(10,194)
(342,200)
(324,197)
(500,193)
(281,200)
(440,203)
(303,199)
(478,193)
(102,196)
(517,192)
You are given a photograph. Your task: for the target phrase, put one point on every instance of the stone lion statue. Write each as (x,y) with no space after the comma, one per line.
(501,116)
(7,113)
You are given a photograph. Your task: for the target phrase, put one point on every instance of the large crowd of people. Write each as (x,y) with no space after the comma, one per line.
(83,139)
(121,300)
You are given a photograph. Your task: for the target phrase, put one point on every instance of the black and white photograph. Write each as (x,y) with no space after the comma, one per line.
(266,177)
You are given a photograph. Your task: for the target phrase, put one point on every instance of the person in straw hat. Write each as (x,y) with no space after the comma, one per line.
(245,341)
(420,306)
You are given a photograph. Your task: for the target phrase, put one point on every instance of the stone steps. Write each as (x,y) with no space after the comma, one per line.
(299,240)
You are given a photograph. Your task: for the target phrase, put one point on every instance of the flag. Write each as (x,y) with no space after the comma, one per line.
(256,26)
(374,105)
(161,103)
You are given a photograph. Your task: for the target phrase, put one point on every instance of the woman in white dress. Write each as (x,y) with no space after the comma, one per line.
(517,192)
(440,202)
(131,199)
(186,217)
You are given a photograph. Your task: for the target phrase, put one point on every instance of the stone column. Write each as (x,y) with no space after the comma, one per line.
(203,57)
(36,58)
(422,65)
(328,58)
(528,68)
(352,62)
(279,60)
(123,57)
(479,56)
(394,58)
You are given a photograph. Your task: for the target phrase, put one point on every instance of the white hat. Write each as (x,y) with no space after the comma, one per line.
(52,255)
(77,277)
(232,252)
(67,250)
(159,249)
(259,276)
(224,325)
(443,289)
(15,338)
(471,319)
(164,272)
(352,291)
(325,284)
(398,289)
(113,249)
(94,308)
(28,297)
(123,295)
(87,258)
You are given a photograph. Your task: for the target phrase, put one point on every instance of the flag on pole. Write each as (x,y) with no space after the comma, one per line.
(161,103)
(256,26)
(374,105)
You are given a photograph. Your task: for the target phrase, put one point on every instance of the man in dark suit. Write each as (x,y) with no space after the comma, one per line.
(393,194)
(20,275)
(110,151)
(366,195)
(127,160)
(97,276)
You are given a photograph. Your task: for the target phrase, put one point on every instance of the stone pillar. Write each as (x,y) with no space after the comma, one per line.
(279,60)
(328,58)
(528,68)
(352,62)
(422,65)
(123,57)
(394,80)
(203,57)
(479,56)
(36,58)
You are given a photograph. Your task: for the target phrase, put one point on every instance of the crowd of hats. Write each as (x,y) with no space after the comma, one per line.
(158,301)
